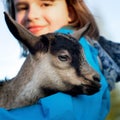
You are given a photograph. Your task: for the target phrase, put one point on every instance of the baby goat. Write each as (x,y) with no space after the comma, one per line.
(56,63)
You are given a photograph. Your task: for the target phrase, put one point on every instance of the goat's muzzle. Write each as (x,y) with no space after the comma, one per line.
(87,87)
(91,86)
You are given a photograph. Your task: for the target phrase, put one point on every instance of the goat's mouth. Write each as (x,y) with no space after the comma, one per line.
(89,88)
(92,88)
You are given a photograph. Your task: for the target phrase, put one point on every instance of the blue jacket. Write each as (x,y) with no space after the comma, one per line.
(61,106)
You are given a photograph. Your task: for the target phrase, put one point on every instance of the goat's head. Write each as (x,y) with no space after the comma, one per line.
(62,59)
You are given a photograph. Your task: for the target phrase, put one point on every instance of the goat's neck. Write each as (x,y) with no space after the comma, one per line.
(26,72)
(24,77)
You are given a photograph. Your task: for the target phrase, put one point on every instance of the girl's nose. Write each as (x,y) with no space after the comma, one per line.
(34,12)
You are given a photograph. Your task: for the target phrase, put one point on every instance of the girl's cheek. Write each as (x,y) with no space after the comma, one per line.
(19,19)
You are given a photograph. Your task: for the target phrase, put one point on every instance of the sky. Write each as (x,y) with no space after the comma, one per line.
(106,15)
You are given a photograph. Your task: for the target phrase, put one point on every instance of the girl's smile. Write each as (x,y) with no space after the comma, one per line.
(35,28)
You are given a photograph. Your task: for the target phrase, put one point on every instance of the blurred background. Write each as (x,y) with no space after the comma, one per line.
(106,13)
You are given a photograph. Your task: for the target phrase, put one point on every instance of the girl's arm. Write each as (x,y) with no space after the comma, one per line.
(109,54)
(112,48)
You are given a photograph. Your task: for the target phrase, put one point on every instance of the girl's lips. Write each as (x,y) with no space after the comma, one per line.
(35,29)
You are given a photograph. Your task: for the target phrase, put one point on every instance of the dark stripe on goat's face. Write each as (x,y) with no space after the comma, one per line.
(42,45)
(67,42)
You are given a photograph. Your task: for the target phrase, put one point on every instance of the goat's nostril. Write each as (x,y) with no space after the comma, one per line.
(96,78)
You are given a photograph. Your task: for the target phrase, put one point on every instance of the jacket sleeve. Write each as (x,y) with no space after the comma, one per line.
(113,49)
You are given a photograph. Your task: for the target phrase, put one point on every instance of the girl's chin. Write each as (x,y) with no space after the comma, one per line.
(42,32)
(38,33)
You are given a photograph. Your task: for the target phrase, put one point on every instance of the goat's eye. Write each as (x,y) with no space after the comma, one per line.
(63,58)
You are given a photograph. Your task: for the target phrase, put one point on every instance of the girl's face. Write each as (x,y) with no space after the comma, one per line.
(42,16)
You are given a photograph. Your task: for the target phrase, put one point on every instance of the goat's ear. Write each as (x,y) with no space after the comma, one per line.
(20,33)
(81,32)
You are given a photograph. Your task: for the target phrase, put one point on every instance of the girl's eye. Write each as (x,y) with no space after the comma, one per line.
(46,4)
(21,8)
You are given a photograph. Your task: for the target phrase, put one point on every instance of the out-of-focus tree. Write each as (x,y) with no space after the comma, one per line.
(115,104)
